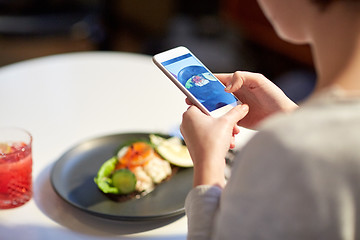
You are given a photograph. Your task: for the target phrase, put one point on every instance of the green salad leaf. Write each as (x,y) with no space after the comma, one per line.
(103,179)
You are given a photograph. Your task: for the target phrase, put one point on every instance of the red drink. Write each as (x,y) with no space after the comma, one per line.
(15,173)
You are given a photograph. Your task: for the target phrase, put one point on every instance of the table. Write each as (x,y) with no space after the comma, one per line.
(68,98)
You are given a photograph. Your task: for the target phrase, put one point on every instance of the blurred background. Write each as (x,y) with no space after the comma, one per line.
(227,35)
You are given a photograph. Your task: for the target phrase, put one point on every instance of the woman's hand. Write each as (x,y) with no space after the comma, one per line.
(263,97)
(208,140)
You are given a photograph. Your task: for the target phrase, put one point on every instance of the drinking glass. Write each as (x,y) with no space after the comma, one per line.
(15,167)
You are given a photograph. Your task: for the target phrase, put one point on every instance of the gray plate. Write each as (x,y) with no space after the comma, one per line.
(72,178)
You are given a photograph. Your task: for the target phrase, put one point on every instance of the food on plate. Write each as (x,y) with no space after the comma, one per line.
(124,180)
(173,150)
(140,165)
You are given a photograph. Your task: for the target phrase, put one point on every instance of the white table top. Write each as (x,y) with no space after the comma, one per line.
(65,99)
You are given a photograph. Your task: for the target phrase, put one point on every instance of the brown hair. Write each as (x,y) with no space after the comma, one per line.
(326,3)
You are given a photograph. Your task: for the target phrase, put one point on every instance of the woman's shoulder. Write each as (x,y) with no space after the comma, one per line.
(325,123)
(319,113)
(293,166)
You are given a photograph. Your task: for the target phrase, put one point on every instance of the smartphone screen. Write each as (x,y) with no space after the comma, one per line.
(201,83)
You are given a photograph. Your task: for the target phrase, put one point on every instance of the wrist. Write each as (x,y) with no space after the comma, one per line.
(210,174)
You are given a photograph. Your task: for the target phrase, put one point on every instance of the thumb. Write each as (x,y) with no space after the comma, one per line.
(237,113)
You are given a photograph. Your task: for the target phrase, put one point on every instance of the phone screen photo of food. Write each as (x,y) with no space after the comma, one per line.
(199,82)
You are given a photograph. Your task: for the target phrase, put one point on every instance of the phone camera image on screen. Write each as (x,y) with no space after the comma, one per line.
(199,82)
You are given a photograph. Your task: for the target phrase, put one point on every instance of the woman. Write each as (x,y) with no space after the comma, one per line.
(299,176)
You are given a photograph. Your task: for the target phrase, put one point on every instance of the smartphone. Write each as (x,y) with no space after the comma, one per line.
(195,81)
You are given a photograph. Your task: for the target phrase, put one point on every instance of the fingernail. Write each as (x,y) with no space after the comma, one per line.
(228,87)
(245,107)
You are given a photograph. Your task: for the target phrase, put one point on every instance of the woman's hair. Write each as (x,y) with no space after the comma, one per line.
(326,3)
(323,2)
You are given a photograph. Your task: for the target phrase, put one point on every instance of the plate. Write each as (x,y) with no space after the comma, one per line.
(72,178)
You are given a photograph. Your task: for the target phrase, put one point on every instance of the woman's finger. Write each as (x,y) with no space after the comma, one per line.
(225,78)
(236,130)
(188,101)
(237,113)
